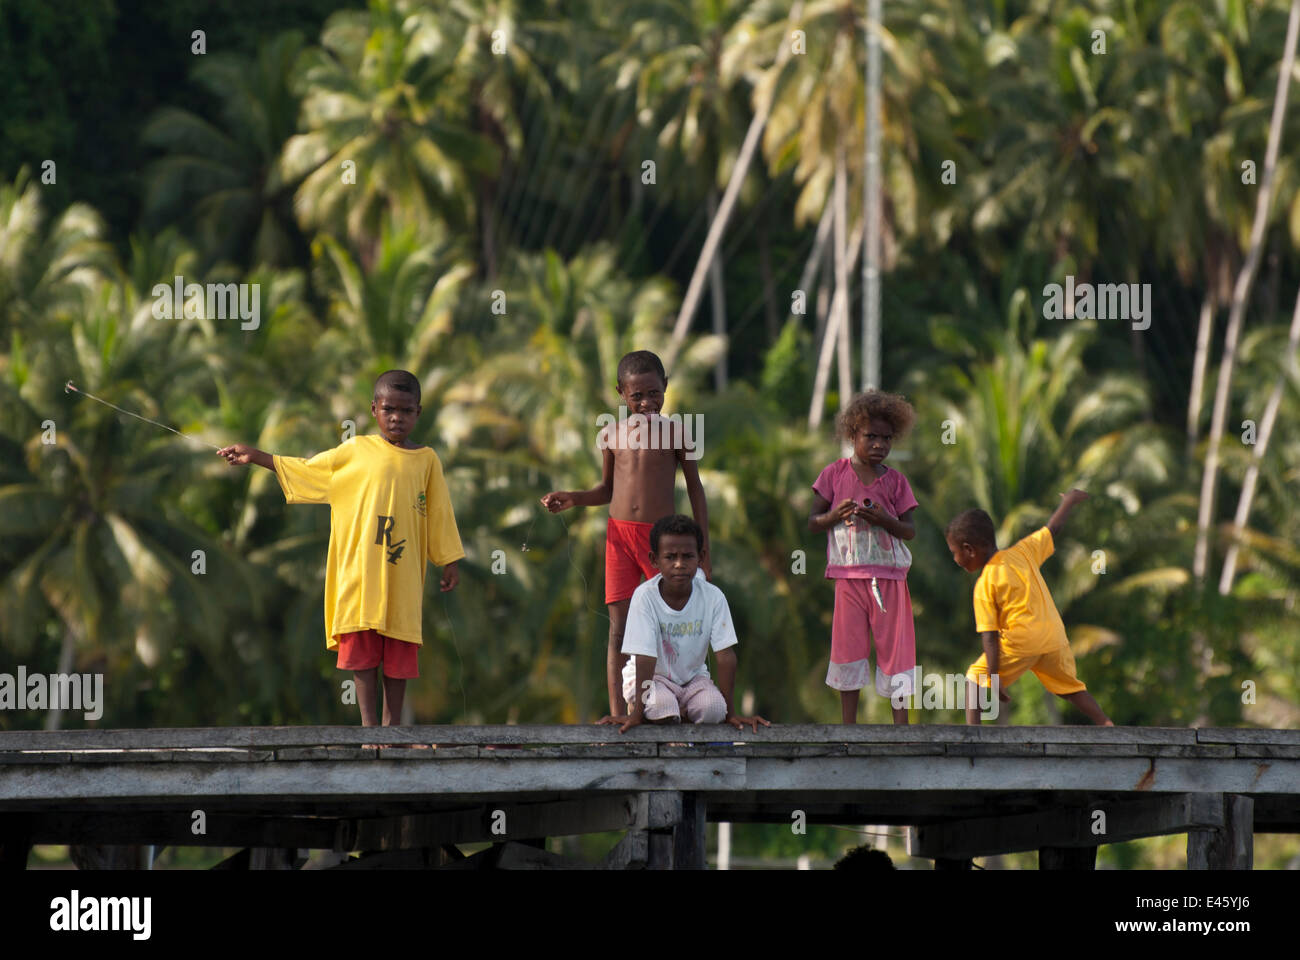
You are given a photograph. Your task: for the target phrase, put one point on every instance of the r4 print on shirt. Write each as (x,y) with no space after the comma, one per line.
(384,536)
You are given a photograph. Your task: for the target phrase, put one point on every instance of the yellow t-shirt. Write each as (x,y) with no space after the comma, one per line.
(390,513)
(1012,598)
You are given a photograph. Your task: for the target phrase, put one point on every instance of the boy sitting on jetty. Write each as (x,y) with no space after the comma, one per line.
(673,621)
(640,458)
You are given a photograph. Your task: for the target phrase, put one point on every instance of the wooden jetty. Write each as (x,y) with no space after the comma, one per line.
(963,792)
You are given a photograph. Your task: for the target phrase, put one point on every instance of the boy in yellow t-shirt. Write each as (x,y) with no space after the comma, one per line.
(390,514)
(1017,620)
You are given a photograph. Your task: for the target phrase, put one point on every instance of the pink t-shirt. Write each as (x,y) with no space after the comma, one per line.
(858,550)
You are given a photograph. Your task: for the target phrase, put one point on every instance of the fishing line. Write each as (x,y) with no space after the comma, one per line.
(524,547)
(464,701)
(586,588)
(70,387)
(573,563)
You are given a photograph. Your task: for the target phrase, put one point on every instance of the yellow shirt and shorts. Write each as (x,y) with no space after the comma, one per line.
(1012,598)
(390,515)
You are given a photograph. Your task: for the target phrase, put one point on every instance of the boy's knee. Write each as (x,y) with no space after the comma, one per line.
(711,708)
(660,705)
(715,711)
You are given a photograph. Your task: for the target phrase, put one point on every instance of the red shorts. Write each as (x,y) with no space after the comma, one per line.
(369,648)
(627,558)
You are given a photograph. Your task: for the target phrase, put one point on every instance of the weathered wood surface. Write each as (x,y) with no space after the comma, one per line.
(346,778)
(269,738)
(989,788)
(260,744)
(1060,828)
(1228,846)
(287,763)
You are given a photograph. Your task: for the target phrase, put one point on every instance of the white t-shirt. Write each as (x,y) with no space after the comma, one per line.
(678,639)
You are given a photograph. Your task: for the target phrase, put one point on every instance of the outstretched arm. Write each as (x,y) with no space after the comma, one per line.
(240,454)
(1068,502)
(600,494)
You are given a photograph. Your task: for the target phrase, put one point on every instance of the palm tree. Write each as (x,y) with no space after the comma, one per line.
(98,544)
(396,309)
(1240,296)
(497,71)
(385,132)
(1268,421)
(687,88)
(723,70)
(220,179)
(46,269)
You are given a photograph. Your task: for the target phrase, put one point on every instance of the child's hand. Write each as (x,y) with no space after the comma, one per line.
(627,722)
(874,515)
(557,501)
(237,454)
(1075,496)
(450,576)
(846,509)
(739,722)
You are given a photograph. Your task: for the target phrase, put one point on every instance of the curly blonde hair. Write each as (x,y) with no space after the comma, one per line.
(875,405)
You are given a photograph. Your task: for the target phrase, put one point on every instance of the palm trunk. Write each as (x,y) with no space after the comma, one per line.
(67,650)
(824,291)
(1240,297)
(838,314)
(815,258)
(487,228)
(691,302)
(1261,448)
(770,314)
(842,275)
(817,263)
(1204,331)
(719,297)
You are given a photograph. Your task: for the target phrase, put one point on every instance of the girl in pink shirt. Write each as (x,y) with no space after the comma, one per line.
(865,509)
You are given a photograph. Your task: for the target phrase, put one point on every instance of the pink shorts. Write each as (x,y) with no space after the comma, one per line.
(627,558)
(883,612)
(700,701)
(369,648)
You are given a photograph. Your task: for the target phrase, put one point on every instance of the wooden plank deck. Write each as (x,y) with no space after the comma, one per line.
(965,789)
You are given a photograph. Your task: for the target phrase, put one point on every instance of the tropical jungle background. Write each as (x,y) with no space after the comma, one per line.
(504,196)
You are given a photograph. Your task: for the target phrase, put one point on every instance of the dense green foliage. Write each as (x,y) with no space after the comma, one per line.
(522,172)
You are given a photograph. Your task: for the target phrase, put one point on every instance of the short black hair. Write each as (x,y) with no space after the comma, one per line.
(640,361)
(974,527)
(398,380)
(865,858)
(677,523)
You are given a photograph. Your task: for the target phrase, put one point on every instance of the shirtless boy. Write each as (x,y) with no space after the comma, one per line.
(641,453)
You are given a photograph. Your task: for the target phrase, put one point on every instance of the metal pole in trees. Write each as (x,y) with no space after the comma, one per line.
(871,205)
